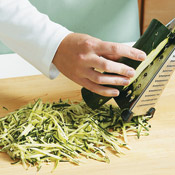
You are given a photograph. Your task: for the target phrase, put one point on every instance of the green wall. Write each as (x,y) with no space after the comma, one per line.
(110,20)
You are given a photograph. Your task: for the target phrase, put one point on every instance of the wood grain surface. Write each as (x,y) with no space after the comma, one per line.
(163,10)
(150,155)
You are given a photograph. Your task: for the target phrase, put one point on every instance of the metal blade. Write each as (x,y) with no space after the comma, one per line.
(142,97)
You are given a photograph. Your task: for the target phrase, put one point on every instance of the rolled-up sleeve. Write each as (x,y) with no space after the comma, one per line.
(31,34)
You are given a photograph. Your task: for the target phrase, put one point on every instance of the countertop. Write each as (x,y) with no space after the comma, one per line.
(150,155)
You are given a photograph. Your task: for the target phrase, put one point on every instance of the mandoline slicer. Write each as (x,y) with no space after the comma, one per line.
(142,96)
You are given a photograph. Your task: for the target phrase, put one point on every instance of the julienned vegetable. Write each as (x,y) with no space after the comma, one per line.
(65,131)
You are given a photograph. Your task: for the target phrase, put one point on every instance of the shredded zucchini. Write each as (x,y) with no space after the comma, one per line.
(65,131)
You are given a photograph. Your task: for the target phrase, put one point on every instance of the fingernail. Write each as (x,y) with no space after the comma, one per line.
(130,73)
(126,82)
(115,93)
(142,56)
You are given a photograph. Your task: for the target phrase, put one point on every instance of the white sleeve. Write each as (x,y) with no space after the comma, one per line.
(31,34)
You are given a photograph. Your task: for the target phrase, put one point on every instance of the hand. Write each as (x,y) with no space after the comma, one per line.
(81,58)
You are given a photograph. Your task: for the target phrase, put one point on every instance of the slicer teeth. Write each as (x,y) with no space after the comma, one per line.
(139,85)
(129,93)
(132,98)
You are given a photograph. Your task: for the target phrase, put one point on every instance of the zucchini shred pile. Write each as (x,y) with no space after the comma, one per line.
(65,131)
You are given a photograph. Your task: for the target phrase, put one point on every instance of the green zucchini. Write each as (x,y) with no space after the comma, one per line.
(151,42)
(65,131)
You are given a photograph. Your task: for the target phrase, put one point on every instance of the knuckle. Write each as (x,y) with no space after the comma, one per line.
(115,48)
(81,57)
(123,70)
(89,44)
(117,81)
(122,81)
(106,67)
(132,53)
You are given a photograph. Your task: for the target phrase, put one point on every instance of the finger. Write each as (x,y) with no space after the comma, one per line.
(116,50)
(99,89)
(103,64)
(107,79)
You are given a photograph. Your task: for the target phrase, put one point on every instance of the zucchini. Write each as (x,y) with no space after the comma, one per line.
(64,132)
(151,42)
(130,93)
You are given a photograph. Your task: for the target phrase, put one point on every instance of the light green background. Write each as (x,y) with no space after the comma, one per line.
(110,20)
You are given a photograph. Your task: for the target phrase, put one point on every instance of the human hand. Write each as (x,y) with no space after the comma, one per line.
(81,58)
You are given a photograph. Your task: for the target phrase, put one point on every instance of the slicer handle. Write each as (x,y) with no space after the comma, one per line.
(151,112)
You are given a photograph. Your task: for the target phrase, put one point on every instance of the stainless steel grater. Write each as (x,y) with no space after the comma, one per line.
(143,102)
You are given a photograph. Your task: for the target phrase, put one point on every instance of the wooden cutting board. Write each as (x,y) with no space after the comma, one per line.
(150,155)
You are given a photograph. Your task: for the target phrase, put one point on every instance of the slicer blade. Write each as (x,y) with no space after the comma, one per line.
(171,24)
(142,97)
(147,99)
